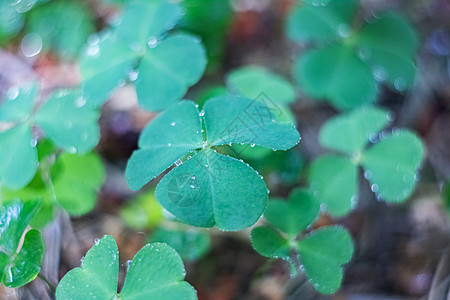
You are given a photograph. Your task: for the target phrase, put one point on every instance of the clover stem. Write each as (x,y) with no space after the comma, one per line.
(51,286)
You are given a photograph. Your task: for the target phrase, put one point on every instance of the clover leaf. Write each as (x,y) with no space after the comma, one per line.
(64,118)
(156,272)
(390,164)
(19,265)
(321,252)
(190,243)
(63,26)
(197,191)
(163,68)
(349,61)
(70,183)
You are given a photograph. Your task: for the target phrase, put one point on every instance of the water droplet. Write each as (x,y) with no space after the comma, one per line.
(121,83)
(80,102)
(152,42)
(206,165)
(400,84)
(379,73)
(417,177)
(169,144)
(374,188)
(93,50)
(193,177)
(133,75)
(364,53)
(12,93)
(82,259)
(173,124)
(72,150)
(252,145)
(261,177)
(96,241)
(135,46)
(178,162)
(192,186)
(33,143)
(202,113)
(368,175)
(31,44)
(128,264)
(344,30)
(373,138)
(196,105)
(391,116)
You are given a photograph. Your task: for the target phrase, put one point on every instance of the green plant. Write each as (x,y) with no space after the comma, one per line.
(350,59)
(162,68)
(390,164)
(20,262)
(321,251)
(192,191)
(156,272)
(64,118)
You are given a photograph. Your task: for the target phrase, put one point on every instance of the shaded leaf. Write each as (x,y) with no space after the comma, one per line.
(392,163)
(320,23)
(252,81)
(68,122)
(142,212)
(269,243)
(294,215)
(166,73)
(190,243)
(336,74)
(351,132)
(333,180)
(18,157)
(322,254)
(18,104)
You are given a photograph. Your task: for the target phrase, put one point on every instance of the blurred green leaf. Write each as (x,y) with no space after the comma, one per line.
(388,45)
(18,157)
(320,23)
(322,254)
(190,243)
(142,212)
(324,74)
(293,216)
(18,104)
(77,183)
(11,21)
(63,26)
(165,73)
(333,180)
(68,122)
(163,68)
(156,272)
(252,81)
(391,165)
(350,133)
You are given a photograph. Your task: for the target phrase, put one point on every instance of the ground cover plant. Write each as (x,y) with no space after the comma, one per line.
(214,153)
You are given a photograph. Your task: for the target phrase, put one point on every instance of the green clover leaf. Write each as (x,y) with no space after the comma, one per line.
(18,266)
(321,252)
(64,118)
(197,191)
(350,62)
(390,164)
(163,68)
(71,183)
(156,272)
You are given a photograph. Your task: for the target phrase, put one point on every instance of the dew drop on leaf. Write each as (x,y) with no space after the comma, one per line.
(31,44)
(152,42)
(13,93)
(400,84)
(374,188)
(133,75)
(368,175)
